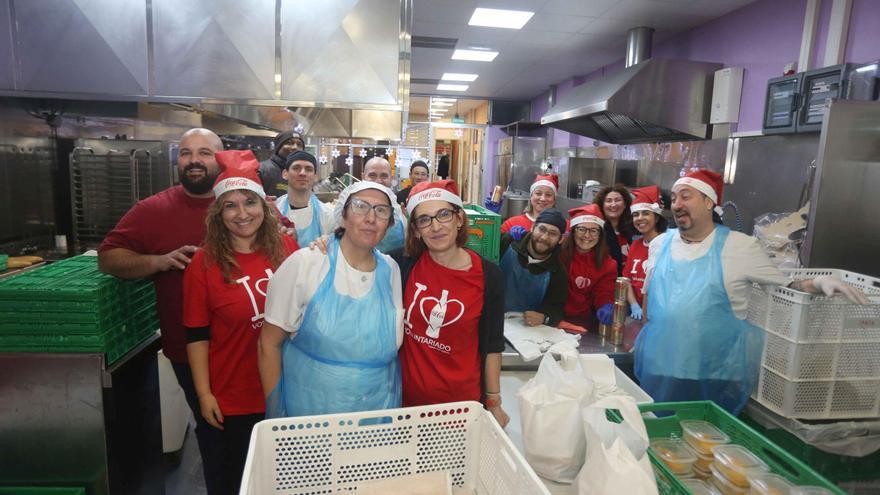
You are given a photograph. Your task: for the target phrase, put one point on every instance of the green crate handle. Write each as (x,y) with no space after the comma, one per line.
(779,460)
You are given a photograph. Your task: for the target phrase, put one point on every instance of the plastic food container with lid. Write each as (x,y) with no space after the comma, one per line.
(702,435)
(724,485)
(675,454)
(698,487)
(703,461)
(769,484)
(736,463)
(701,474)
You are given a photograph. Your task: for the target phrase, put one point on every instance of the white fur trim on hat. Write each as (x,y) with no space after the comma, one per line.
(431,194)
(542,182)
(654,207)
(356,188)
(587,219)
(699,185)
(234,183)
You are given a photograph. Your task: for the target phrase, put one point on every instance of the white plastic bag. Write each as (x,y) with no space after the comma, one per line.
(550,410)
(616,458)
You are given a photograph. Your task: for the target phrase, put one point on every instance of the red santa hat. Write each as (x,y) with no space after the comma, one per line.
(238,170)
(443,190)
(646,199)
(551,181)
(586,214)
(705,181)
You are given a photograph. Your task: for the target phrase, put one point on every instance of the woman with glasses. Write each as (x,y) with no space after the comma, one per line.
(334,322)
(614,201)
(591,272)
(454,307)
(646,213)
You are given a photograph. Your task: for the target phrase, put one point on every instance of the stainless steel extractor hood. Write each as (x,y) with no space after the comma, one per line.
(651,100)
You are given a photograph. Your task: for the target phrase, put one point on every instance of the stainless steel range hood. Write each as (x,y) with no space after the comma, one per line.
(650,100)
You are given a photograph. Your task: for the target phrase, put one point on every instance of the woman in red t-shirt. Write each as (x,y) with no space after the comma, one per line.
(453,302)
(224,290)
(646,212)
(614,201)
(591,272)
(542,195)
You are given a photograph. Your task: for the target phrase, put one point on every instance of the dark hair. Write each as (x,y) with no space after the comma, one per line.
(600,250)
(716,217)
(340,231)
(625,224)
(415,247)
(662,223)
(419,163)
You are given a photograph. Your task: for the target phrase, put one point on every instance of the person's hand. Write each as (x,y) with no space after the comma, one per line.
(635,311)
(517,232)
(175,260)
(830,285)
(500,416)
(320,244)
(289,231)
(533,318)
(211,410)
(491,205)
(605,313)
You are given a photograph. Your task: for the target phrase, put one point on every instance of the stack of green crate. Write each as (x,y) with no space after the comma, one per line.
(484,232)
(69,306)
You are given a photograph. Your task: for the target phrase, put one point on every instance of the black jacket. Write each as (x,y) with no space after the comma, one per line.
(557,289)
(491,329)
(270,175)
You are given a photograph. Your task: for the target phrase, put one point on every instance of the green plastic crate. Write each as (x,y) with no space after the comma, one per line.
(41,490)
(837,468)
(4,258)
(484,232)
(780,461)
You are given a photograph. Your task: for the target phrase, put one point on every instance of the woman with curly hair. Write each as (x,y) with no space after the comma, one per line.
(223,298)
(614,201)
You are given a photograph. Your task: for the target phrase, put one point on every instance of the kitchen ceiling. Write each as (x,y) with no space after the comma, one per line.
(565,38)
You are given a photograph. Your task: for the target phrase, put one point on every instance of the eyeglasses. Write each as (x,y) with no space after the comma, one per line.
(362,208)
(583,230)
(443,216)
(542,230)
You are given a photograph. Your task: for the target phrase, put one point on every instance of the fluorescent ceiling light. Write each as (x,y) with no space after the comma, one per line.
(474,55)
(510,19)
(435,99)
(441,104)
(453,76)
(452,87)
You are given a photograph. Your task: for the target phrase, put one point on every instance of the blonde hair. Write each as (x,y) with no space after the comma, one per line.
(218,240)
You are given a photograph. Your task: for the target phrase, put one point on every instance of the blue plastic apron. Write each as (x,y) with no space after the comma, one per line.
(393,238)
(308,234)
(344,356)
(693,346)
(523,291)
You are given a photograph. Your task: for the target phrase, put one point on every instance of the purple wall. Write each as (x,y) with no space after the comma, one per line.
(490,171)
(761,37)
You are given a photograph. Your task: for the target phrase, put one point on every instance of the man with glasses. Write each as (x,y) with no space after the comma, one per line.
(309,215)
(272,170)
(536,281)
(377,169)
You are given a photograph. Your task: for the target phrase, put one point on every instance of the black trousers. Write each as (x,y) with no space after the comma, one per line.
(184,377)
(227,452)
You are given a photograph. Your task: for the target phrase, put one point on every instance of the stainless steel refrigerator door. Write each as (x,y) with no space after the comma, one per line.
(844,227)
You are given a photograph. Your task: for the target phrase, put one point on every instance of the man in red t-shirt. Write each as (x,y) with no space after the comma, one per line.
(157,238)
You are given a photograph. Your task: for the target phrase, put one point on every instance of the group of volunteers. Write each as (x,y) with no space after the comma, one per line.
(392,310)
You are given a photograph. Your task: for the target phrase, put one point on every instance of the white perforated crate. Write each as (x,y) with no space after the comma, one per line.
(327,454)
(804,318)
(818,399)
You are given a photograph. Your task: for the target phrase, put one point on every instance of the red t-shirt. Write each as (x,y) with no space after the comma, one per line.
(520,220)
(589,288)
(624,245)
(635,266)
(158,225)
(442,365)
(234,312)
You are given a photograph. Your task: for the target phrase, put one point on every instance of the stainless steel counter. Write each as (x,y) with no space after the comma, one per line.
(70,419)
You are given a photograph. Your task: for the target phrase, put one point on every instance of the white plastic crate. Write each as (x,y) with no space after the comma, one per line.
(818,399)
(327,454)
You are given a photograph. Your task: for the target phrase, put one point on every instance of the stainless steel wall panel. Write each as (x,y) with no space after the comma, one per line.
(27,207)
(215,48)
(7,79)
(82,46)
(342,51)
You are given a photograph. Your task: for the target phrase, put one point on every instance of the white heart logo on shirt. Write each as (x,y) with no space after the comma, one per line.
(433,331)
